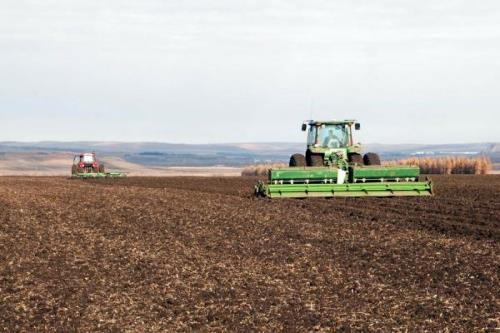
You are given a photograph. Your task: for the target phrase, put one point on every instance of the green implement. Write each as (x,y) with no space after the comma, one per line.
(358,181)
(87,175)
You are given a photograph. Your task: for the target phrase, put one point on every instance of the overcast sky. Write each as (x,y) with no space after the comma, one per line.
(239,71)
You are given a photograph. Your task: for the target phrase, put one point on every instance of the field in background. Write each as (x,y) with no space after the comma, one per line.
(164,159)
(59,164)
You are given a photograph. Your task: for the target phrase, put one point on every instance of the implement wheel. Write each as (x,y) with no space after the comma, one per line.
(356,158)
(297,160)
(315,160)
(371,159)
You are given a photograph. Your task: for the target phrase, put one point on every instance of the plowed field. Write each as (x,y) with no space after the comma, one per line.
(183,254)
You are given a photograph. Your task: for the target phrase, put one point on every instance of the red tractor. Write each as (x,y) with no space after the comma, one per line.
(86,163)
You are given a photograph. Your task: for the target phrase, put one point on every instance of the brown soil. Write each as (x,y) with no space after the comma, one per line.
(182,254)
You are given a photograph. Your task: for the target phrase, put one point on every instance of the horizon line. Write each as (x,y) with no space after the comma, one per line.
(224,143)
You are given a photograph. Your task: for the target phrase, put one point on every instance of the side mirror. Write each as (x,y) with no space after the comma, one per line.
(357,126)
(304,127)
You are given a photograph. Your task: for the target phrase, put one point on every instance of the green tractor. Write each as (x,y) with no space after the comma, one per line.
(331,143)
(333,166)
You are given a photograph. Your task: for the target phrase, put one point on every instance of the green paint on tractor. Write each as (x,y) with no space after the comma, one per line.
(86,175)
(333,166)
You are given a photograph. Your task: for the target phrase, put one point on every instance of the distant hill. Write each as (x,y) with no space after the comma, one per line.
(54,157)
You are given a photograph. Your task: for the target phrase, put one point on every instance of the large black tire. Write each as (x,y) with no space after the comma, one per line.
(356,159)
(73,169)
(297,160)
(101,168)
(314,160)
(371,159)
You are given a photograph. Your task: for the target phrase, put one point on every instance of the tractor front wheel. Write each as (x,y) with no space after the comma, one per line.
(371,159)
(297,160)
(315,160)
(356,159)
(101,168)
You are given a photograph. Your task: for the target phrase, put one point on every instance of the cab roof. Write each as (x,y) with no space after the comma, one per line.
(330,122)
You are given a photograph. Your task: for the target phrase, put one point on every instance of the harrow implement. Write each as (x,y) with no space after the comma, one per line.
(91,175)
(357,181)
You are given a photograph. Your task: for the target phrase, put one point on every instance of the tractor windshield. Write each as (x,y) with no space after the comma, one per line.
(332,136)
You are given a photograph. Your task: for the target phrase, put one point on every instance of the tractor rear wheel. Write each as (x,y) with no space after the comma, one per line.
(73,169)
(356,158)
(371,159)
(297,160)
(315,160)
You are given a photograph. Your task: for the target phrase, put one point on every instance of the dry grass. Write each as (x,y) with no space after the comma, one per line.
(443,165)
(260,169)
(448,165)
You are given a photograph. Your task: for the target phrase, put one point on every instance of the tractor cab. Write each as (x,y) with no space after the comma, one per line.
(85,160)
(329,135)
(330,143)
(88,159)
(86,163)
